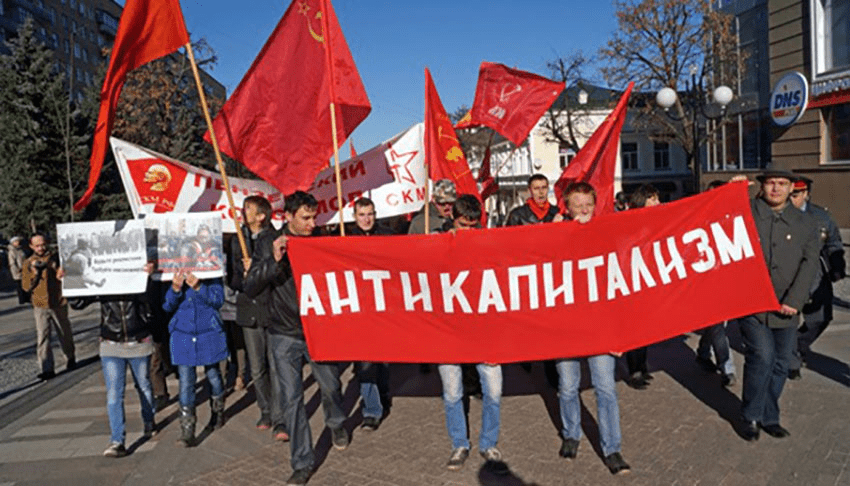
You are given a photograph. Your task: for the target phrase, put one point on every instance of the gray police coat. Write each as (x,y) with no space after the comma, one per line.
(790,243)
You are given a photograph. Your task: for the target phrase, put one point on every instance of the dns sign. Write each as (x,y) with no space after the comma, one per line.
(789,99)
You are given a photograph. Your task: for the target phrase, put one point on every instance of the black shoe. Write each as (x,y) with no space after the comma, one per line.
(776,430)
(47,375)
(616,464)
(370,424)
(299,476)
(160,402)
(340,438)
(71,365)
(569,448)
(457,459)
(646,376)
(728,379)
(794,375)
(750,432)
(636,381)
(706,364)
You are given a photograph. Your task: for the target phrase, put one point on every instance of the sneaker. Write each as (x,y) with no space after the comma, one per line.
(264,423)
(636,381)
(492,454)
(115,450)
(616,464)
(728,379)
(457,458)
(279,433)
(340,438)
(569,449)
(370,424)
(150,429)
(299,476)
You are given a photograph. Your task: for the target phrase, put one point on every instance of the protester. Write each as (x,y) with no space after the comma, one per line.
(197,339)
(817,312)
(125,341)
(790,244)
(374,377)
(580,199)
(439,209)
(714,338)
(252,314)
(161,365)
(537,208)
(644,196)
(467,214)
(16,256)
(270,270)
(40,278)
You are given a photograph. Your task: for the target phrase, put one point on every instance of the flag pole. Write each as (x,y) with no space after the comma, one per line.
(206,110)
(427,199)
(326,37)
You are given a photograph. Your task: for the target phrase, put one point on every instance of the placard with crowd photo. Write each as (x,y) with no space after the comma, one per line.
(102,258)
(185,241)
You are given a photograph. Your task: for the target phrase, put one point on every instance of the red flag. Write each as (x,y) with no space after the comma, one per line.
(148,30)
(510,101)
(278,121)
(489,186)
(443,154)
(596,162)
(351,148)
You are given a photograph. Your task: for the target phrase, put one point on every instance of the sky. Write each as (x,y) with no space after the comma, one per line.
(392,43)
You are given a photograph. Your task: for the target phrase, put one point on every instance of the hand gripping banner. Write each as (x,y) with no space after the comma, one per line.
(538,292)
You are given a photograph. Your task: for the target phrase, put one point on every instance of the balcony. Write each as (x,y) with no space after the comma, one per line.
(38,12)
(106,23)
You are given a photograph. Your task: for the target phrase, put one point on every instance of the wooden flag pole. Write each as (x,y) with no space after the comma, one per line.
(204,106)
(427,199)
(326,38)
(505,162)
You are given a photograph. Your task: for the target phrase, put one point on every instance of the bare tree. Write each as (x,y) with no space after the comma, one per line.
(559,121)
(674,43)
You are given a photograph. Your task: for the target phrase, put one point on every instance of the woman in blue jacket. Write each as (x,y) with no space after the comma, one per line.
(197,339)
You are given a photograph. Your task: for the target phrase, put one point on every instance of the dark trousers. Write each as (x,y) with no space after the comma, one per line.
(23,297)
(262,373)
(817,315)
(636,360)
(289,356)
(160,368)
(767,352)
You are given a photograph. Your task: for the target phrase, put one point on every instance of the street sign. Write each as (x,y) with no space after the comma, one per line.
(789,99)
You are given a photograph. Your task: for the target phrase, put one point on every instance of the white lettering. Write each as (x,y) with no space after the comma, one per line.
(640,270)
(490,293)
(514,274)
(616,280)
(730,251)
(701,237)
(310,297)
(566,287)
(676,262)
(452,291)
(424,294)
(377,277)
(590,265)
(337,302)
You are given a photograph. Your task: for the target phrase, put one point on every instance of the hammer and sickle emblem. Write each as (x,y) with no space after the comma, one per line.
(303,9)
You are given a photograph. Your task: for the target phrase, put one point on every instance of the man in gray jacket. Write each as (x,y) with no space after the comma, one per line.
(790,244)
(16,264)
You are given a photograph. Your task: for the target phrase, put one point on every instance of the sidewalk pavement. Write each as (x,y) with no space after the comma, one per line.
(677,431)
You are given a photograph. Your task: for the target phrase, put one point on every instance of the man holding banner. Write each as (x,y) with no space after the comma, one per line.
(790,243)
(580,199)
(270,269)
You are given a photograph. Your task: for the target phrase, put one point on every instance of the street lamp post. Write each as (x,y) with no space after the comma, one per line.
(695,102)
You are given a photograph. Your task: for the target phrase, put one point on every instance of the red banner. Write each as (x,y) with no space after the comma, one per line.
(537,292)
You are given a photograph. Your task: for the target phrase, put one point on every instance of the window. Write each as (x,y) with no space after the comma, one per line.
(837,138)
(67,46)
(64,21)
(82,9)
(76,50)
(565,155)
(73,4)
(662,156)
(85,55)
(629,156)
(830,36)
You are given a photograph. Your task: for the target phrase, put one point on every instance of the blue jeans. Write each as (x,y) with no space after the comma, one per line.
(767,355)
(289,355)
(714,337)
(374,384)
(491,388)
(602,370)
(187,383)
(115,376)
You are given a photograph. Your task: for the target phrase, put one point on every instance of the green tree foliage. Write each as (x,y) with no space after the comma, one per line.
(35,115)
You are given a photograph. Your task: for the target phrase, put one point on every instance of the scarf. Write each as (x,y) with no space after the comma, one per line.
(538,210)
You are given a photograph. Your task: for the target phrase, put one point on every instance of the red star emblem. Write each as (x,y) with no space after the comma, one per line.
(397,167)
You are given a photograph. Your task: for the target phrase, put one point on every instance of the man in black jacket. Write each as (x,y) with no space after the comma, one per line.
(253,315)
(270,270)
(537,209)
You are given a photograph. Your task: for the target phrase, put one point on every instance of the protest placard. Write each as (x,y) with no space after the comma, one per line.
(185,241)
